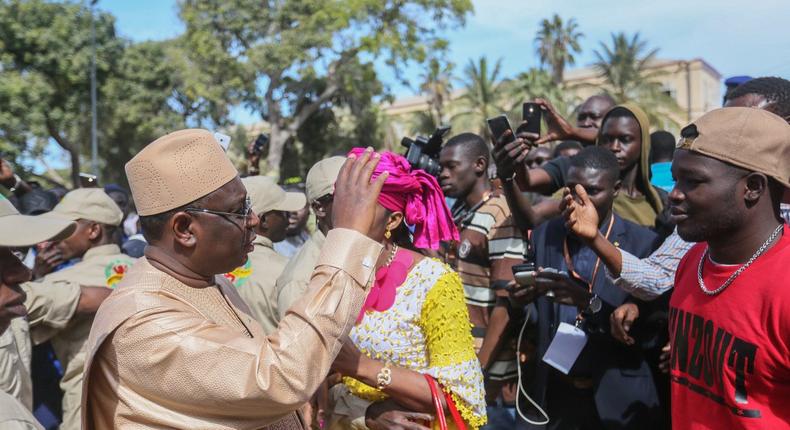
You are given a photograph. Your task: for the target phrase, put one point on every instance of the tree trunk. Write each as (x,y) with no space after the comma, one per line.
(279,137)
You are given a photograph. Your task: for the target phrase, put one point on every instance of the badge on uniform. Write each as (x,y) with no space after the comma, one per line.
(565,348)
(115,271)
(240,274)
(464,249)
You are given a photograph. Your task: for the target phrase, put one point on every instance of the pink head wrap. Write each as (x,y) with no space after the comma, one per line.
(418,196)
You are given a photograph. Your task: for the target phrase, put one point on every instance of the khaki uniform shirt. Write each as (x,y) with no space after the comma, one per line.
(255,282)
(101,266)
(14,416)
(15,353)
(292,283)
(162,354)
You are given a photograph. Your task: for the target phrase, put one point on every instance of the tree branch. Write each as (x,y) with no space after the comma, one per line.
(331,89)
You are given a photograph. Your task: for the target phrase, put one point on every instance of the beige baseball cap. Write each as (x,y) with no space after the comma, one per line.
(322,176)
(751,138)
(92,204)
(267,196)
(23,230)
(176,169)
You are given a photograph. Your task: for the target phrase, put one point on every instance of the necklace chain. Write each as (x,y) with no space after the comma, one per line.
(740,270)
(392,255)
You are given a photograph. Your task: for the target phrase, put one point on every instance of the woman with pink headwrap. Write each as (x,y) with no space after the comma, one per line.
(415,320)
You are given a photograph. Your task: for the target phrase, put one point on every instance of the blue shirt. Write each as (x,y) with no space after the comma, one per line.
(662,176)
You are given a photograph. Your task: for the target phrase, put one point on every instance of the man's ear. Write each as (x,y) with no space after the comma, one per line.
(617,185)
(481,165)
(94,231)
(183,227)
(756,186)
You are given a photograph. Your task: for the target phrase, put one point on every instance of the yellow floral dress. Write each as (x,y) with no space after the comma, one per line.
(426,330)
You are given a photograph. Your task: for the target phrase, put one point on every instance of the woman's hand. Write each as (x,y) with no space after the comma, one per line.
(349,360)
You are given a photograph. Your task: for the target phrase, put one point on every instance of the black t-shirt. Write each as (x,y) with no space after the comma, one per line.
(557,168)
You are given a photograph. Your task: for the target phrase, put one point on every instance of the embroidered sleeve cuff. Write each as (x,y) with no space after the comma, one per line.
(351,252)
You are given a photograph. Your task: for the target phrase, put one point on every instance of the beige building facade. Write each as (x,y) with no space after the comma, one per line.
(694,84)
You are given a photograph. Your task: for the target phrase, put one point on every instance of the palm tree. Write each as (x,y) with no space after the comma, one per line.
(626,69)
(436,86)
(484,95)
(536,83)
(556,42)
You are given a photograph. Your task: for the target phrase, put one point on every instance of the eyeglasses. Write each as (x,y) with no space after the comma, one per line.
(244,214)
(326,198)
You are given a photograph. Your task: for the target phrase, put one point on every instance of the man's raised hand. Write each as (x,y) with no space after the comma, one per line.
(581,218)
(355,194)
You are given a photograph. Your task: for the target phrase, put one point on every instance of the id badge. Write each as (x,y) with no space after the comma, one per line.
(565,348)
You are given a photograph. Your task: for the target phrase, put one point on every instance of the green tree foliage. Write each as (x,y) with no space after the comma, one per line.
(144,89)
(153,91)
(625,68)
(556,42)
(278,45)
(484,97)
(45,55)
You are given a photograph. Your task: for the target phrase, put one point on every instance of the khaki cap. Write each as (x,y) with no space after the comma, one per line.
(23,230)
(322,176)
(267,196)
(176,169)
(751,138)
(92,204)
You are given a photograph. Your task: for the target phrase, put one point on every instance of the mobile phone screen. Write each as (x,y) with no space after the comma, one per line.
(498,126)
(531,114)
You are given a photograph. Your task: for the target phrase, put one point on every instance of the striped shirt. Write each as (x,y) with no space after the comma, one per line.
(490,245)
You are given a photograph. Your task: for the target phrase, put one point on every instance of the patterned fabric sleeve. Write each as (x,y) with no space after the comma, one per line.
(651,277)
(451,357)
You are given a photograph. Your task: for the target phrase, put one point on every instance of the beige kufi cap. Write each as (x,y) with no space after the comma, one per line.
(751,138)
(322,176)
(177,169)
(267,196)
(23,230)
(92,204)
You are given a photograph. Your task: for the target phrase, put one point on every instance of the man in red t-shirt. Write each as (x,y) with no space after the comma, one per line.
(730,311)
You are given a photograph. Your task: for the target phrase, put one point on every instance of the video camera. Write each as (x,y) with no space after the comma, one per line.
(423,152)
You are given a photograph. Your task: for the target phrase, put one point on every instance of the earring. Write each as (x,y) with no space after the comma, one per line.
(387,234)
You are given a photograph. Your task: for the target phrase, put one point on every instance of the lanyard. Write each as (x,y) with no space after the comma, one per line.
(569,262)
(460,215)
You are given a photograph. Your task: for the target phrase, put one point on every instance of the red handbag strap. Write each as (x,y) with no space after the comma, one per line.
(459,421)
(437,401)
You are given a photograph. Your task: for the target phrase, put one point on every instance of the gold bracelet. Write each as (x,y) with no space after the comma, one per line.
(384,377)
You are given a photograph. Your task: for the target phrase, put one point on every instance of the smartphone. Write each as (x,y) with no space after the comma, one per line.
(223,140)
(88,181)
(260,143)
(550,293)
(525,274)
(531,113)
(498,126)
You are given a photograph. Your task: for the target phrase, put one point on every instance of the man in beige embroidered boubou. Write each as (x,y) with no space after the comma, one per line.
(174,345)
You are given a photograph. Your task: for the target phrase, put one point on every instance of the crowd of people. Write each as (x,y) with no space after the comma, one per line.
(602,275)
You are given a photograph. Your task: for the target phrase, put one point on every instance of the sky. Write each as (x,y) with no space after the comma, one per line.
(735,37)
